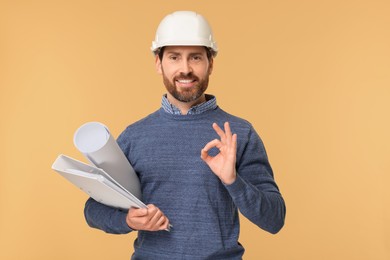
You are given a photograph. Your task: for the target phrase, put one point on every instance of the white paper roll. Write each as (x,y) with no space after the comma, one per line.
(95,141)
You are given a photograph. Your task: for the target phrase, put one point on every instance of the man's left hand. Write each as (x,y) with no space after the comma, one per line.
(224,163)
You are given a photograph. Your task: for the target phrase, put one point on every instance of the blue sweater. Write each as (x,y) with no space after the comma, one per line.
(164,150)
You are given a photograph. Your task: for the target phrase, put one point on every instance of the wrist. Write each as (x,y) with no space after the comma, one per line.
(230,180)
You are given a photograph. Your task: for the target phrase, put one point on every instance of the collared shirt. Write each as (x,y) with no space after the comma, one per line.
(210,104)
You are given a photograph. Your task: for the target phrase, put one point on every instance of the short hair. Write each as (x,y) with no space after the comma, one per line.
(209,52)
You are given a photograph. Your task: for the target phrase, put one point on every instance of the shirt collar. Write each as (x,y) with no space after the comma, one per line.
(210,104)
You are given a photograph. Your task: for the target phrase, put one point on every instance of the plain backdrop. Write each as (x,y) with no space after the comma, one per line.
(313,77)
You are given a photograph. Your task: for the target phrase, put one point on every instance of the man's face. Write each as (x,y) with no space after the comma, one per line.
(185,71)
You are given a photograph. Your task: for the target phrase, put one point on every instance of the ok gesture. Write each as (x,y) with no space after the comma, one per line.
(224,163)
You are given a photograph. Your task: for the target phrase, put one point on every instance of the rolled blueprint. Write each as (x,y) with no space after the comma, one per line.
(95,141)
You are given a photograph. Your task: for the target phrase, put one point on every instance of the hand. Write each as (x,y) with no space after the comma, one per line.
(224,163)
(150,219)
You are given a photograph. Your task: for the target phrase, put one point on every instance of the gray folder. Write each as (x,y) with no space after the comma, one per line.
(96,183)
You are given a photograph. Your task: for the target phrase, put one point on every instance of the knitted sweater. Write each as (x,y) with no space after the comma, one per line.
(164,150)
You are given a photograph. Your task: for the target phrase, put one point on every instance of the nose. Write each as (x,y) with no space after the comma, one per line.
(185,67)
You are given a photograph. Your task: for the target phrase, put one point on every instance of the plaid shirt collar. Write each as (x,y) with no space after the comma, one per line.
(210,104)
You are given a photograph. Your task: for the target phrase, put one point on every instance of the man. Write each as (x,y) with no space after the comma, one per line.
(197,164)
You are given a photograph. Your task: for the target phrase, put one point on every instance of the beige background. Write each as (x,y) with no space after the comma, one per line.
(312,76)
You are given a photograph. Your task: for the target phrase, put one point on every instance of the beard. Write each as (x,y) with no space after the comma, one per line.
(186,95)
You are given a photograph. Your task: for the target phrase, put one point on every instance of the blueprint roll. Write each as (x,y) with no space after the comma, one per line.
(95,141)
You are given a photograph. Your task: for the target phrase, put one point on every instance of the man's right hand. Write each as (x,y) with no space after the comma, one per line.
(149,219)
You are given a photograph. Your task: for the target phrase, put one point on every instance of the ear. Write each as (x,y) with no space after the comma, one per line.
(158,65)
(211,65)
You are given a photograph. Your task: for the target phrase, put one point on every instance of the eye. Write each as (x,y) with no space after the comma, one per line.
(173,57)
(196,57)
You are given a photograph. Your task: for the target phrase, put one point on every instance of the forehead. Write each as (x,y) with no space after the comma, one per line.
(185,49)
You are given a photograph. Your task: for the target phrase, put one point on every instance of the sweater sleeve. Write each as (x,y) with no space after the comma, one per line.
(108,219)
(255,192)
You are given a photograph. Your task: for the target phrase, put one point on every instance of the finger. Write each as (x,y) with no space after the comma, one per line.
(234,140)
(155,218)
(205,156)
(137,212)
(152,210)
(228,133)
(219,131)
(136,217)
(162,223)
(159,221)
(165,225)
(214,143)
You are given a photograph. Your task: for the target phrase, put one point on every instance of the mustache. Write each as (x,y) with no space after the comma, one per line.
(189,75)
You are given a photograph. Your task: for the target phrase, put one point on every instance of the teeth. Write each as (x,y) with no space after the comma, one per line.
(185,80)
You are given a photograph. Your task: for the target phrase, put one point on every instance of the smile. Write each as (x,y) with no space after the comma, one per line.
(185,82)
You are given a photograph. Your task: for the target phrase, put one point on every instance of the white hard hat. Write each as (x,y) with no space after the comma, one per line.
(184,28)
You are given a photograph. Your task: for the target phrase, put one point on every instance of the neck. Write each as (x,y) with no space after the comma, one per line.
(185,106)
